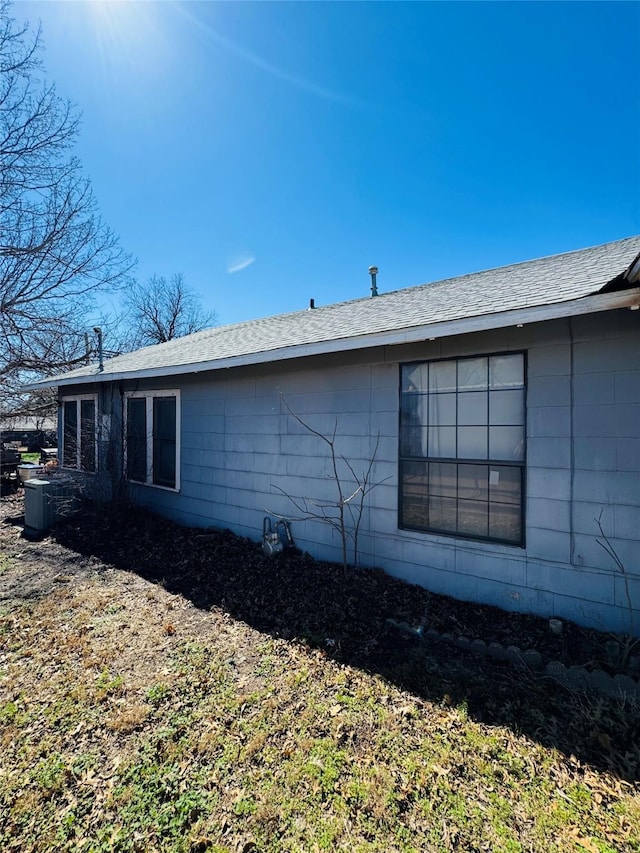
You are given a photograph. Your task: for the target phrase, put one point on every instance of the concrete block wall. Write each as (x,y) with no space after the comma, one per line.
(243,454)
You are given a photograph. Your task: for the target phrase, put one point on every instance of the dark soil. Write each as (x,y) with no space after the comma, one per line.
(291,594)
(297,598)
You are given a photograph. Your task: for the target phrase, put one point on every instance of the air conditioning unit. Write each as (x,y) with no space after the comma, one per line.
(48,501)
(37,515)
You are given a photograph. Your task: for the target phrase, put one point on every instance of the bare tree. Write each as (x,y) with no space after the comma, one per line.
(630,639)
(55,251)
(344,513)
(160,310)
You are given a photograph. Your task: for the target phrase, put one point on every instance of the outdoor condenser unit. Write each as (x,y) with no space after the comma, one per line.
(37,514)
(47,501)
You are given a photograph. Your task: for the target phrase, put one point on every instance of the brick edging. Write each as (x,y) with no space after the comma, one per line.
(574,678)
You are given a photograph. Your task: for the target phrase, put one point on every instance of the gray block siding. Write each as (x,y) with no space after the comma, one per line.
(244,455)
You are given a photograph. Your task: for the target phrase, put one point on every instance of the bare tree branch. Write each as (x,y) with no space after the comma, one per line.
(631,640)
(160,310)
(345,513)
(56,254)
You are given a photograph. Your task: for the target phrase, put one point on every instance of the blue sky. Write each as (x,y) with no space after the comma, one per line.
(271,152)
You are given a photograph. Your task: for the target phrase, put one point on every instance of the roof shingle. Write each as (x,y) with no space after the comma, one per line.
(545,281)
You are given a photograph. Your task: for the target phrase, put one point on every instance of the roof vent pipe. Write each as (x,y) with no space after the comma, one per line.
(312,304)
(373,272)
(98,332)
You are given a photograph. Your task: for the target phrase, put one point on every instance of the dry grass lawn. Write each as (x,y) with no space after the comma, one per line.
(131,720)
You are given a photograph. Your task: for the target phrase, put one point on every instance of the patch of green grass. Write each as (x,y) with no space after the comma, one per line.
(50,773)
(288,751)
(9,712)
(106,684)
(6,562)
(158,693)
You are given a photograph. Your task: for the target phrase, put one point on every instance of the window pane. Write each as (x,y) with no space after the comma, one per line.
(504,522)
(137,439)
(442,442)
(442,376)
(472,374)
(442,409)
(472,442)
(88,435)
(164,463)
(505,484)
(164,441)
(506,371)
(415,377)
(414,409)
(473,518)
(506,442)
(413,441)
(414,494)
(414,477)
(70,434)
(443,514)
(506,407)
(472,408)
(442,479)
(473,482)
(164,418)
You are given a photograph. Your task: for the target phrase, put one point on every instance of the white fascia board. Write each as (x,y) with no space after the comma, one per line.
(412,334)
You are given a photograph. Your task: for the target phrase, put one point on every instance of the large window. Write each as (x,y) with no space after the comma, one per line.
(462,447)
(79,447)
(152,438)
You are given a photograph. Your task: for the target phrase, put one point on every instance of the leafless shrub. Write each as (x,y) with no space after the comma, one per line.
(345,512)
(629,640)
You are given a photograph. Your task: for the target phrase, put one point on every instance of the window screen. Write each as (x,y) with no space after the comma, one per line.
(164,441)
(70,434)
(136,450)
(88,435)
(79,433)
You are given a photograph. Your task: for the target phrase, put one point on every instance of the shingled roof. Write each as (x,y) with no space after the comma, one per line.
(491,299)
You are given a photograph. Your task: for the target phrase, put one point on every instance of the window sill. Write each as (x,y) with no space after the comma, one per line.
(482,545)
(174,489)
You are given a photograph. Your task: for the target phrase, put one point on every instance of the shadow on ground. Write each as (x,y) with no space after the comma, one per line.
(300,599)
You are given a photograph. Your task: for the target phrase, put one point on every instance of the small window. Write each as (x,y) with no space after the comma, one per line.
(462,447)
(79,446)
(152,438)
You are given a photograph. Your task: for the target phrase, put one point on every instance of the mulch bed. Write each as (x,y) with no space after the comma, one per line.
(294,595)
(297,598)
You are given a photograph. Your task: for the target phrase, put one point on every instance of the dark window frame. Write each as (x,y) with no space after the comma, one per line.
(488,462)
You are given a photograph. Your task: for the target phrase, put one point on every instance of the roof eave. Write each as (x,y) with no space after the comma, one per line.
(486,322)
